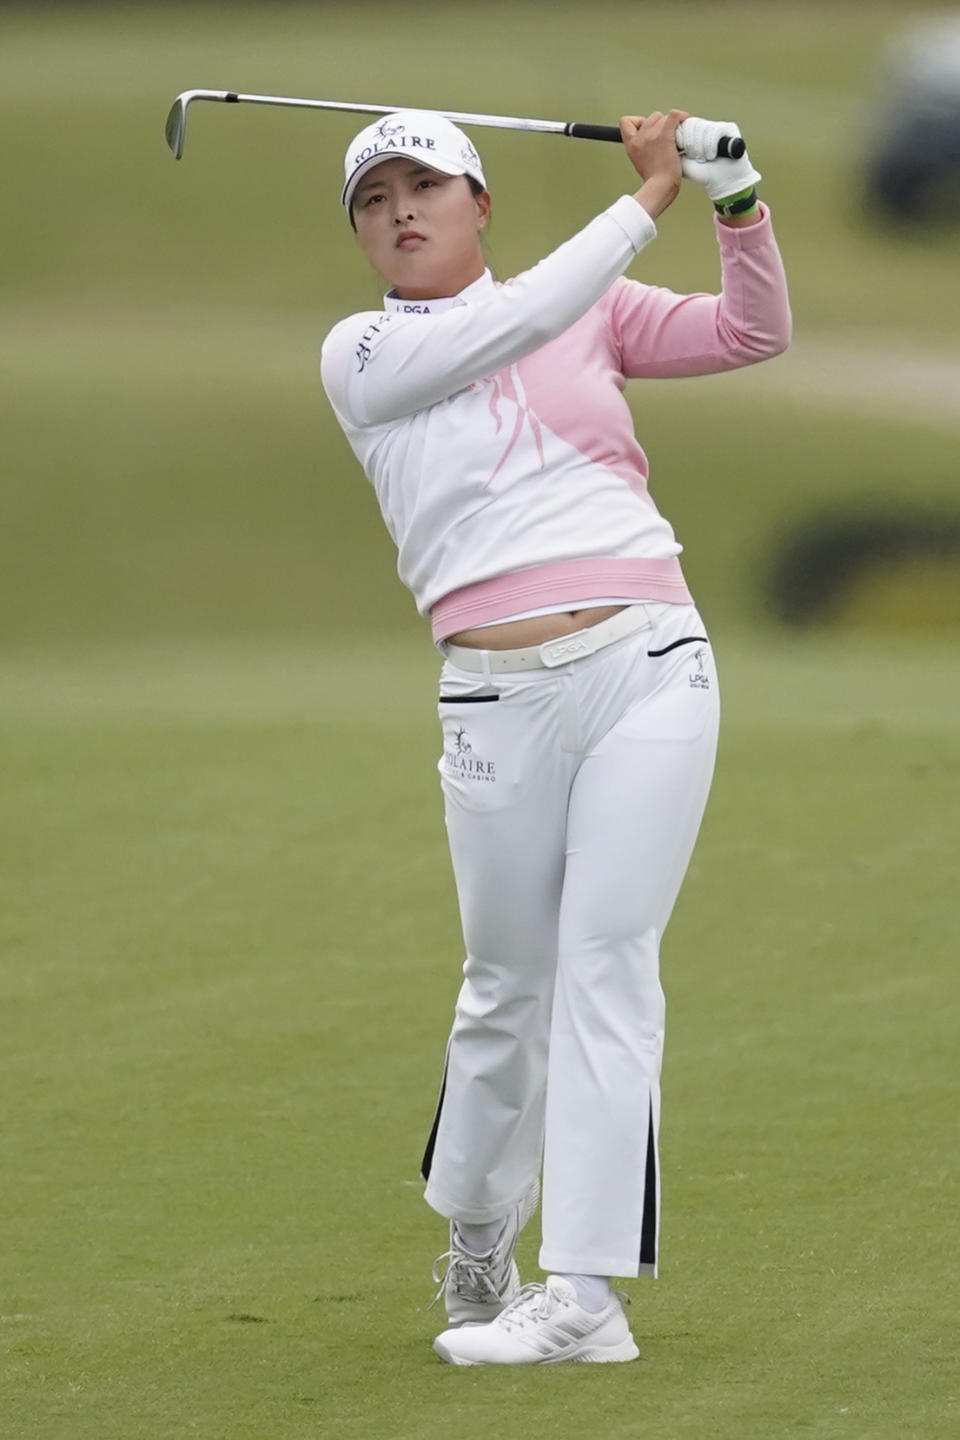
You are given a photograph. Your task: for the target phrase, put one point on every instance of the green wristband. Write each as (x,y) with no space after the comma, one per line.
(744,202)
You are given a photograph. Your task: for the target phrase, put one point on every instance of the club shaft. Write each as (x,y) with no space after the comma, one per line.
(459,117)
(176,121)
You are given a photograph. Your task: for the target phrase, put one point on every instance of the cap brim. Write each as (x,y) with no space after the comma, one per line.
(347,193)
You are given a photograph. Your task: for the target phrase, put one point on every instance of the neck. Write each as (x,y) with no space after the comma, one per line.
(442,285)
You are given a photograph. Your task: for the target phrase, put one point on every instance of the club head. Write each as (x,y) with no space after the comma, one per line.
(176,125)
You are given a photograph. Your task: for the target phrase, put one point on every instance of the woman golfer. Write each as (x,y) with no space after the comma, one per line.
(578,696)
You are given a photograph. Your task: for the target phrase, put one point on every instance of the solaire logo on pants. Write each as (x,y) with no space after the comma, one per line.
(459,760)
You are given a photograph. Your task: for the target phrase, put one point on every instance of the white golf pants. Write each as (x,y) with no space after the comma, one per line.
(573,798)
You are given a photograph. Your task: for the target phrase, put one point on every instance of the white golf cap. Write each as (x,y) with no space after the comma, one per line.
(423,135)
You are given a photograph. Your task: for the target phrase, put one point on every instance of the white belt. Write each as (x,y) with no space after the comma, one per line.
(552,652)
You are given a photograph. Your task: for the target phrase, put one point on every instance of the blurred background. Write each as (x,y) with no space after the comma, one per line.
(229,942)
(170,468)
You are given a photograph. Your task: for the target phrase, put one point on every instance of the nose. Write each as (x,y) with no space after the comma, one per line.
(400,219)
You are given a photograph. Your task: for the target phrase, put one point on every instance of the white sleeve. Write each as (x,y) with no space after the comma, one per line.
(376,367)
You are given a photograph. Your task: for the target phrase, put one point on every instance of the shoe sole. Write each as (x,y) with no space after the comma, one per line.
(597,1355)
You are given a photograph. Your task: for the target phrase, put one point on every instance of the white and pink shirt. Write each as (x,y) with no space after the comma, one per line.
(494,429)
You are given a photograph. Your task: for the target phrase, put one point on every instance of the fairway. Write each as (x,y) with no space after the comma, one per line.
(229,940)
(231,950)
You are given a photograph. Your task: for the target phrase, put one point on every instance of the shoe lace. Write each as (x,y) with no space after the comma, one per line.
(535,1302)
(532,1302)
(468,1275)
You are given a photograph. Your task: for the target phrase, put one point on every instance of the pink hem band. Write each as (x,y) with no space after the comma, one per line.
(506,595)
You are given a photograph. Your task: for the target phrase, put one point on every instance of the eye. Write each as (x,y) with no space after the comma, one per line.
(426,184)
(371,199)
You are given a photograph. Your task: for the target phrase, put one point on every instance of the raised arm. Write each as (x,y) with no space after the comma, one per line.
(663,335)
(377,367)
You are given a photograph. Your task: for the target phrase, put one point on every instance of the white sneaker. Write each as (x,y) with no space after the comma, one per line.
(543,1326)
(477,1287)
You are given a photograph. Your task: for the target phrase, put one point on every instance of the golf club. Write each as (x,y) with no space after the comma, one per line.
(727,146)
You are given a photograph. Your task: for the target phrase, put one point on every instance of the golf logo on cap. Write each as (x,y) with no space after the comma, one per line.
(420,135)
(407,142)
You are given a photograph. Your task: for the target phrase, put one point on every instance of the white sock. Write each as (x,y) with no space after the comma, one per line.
(479,1239)
(593,1291)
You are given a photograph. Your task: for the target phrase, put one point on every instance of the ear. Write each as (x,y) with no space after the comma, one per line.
(483,204)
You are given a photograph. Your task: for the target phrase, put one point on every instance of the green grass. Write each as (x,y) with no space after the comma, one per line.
(230,954)
(228,935)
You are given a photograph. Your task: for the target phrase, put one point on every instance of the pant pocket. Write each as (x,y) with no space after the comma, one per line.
(497,740)
(683,699)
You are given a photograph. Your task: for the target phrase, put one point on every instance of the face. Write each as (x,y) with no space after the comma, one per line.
(420,230)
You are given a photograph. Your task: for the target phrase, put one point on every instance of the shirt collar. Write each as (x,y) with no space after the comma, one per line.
(475,291)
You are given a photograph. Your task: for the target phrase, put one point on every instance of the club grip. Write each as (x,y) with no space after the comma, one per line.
(729,147)
(593,132)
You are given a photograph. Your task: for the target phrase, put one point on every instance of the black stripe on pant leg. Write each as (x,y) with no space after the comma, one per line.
(648,1226)
(427,1161)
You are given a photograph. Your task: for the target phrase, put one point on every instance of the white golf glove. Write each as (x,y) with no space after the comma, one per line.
(697,141)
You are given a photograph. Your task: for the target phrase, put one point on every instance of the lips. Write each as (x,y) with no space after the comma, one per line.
(409,239)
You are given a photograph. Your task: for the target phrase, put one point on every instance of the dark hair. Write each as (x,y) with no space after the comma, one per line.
(476,189)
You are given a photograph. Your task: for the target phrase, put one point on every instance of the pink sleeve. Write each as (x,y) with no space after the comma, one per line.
(662,335)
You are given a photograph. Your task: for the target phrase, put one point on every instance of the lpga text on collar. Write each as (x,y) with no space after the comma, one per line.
(405,142)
